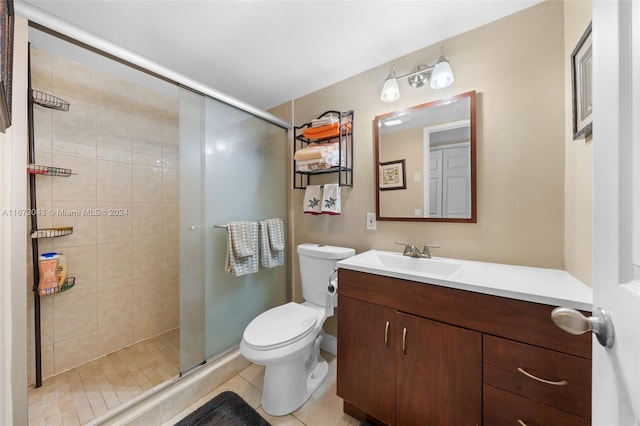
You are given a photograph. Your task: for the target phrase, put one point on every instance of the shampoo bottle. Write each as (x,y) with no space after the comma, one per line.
(48,263)
(61,270)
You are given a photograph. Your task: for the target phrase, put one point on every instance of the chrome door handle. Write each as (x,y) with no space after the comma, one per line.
(574,322)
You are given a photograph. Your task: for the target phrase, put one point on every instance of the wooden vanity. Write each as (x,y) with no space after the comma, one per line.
(413,353)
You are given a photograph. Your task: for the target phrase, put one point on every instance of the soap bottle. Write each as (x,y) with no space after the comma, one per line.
(61,270)
(48,264)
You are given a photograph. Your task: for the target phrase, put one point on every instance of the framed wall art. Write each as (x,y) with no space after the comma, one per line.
(392,175)
(6,62)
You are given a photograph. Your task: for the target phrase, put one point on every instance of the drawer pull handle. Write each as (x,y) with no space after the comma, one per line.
(521,423)
(386,334)
(549,382)
(404,340)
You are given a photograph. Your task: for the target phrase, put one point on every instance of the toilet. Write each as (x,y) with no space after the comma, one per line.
(286,339)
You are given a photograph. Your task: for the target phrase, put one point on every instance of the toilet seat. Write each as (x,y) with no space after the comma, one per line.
(280,326)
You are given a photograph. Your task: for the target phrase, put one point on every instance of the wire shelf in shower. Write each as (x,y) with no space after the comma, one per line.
(48,170)
(52,232)
(68,283)
(49,101)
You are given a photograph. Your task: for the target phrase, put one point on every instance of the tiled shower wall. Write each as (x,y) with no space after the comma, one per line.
(122,141)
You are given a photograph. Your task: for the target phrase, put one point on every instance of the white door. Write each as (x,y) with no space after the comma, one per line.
(456,182)
(616,139)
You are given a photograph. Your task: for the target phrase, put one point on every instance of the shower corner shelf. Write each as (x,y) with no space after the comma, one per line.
(344,138)
(49,101)
(36,169)
(65,286)
(52,232)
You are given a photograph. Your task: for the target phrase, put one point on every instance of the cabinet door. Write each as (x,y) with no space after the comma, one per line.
(438,373)
(366,357)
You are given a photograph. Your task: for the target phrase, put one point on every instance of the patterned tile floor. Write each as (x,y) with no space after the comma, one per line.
(81,394)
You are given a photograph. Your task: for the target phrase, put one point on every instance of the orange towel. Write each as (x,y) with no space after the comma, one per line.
(323,132)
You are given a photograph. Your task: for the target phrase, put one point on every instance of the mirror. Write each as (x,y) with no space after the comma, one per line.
(425,157)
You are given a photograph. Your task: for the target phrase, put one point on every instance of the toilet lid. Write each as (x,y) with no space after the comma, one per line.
(280,325)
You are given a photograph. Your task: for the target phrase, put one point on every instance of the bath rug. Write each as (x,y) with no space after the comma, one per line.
(226,409)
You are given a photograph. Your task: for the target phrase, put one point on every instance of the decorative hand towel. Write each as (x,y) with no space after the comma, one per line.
(331,199)
(271,243)
(312,199)
(242,248)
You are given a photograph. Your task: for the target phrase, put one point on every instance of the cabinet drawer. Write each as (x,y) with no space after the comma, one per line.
(502,408)
(505,363)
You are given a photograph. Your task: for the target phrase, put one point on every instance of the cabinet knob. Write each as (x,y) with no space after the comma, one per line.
(574,322)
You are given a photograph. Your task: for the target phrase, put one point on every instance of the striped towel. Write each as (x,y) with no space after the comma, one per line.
(242,248)
(271,243)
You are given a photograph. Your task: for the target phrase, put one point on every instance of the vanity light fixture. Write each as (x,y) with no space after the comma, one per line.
(440,74)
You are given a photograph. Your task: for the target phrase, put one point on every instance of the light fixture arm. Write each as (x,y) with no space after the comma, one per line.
(422,71)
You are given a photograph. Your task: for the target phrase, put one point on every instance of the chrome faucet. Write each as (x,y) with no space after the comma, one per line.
(413,251)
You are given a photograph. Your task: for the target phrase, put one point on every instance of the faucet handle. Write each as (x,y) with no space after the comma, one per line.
(407,247)
(425,250)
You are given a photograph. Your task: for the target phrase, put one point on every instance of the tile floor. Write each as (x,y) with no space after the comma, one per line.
(84,393)
(323,408)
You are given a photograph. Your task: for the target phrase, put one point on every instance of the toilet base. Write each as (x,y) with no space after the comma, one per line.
(284,392)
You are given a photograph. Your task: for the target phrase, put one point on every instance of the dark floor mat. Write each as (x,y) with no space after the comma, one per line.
(226,409)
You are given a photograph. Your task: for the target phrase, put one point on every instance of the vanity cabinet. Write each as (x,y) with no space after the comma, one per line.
(414,353)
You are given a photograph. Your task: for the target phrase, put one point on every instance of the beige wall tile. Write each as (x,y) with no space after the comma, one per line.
(147,183)
(114,337)
(114,227)
(76,125)
(115,304)
(81,263)
(114,93)
(74,149)
(114,128)
(171,257)
(147,258)
(148,294)
(171,219)
(114,263)
(74,313)
(41,69)
(77,214)
(114,181)
(147,220)
(73,80)
(147,325)
(170,185)
(75,351)
(121,155)
(42,122)
(77,187)
(147,129)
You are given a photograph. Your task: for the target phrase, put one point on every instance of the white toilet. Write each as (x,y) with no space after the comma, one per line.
(286,339)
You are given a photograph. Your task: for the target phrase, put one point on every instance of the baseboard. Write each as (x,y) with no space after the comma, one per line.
(329,344)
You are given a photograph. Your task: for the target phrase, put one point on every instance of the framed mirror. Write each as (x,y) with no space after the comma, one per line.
(426,161)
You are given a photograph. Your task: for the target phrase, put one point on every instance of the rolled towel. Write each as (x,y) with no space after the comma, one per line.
(314,151)
(271,243)
(313,199)
(331,199)
(242,248)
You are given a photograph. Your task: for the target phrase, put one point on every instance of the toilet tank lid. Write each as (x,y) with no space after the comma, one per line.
(325,251)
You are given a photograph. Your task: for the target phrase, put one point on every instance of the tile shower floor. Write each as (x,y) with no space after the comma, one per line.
(84,393)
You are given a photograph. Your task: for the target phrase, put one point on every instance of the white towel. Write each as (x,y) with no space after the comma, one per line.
(271,243)
(313,199)
(242,248)
(331,199)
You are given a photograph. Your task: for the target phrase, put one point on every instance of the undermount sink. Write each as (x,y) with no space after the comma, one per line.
(389,261)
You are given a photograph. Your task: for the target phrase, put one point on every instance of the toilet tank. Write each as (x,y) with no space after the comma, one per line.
(316,263)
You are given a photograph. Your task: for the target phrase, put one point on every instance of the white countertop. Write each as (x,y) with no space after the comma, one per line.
(547,286)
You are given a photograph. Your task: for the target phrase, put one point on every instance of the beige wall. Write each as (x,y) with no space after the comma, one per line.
(516,65)
(578,160)
(122,141)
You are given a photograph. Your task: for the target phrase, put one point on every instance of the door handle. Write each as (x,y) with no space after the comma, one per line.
(574,322)
(386,334)
(404,340)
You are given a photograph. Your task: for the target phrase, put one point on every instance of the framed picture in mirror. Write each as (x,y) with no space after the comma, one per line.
(392,175)
(581,86)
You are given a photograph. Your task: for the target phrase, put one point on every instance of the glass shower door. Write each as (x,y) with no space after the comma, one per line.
(239,174)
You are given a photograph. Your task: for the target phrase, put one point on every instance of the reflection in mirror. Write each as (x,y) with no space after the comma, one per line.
(425,157)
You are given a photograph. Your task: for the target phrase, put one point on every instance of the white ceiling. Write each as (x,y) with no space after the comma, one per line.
(266,52)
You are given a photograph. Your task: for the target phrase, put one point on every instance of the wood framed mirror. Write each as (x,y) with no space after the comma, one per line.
(426,161)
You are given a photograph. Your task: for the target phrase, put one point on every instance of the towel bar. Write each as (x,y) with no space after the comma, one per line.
(225,226)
